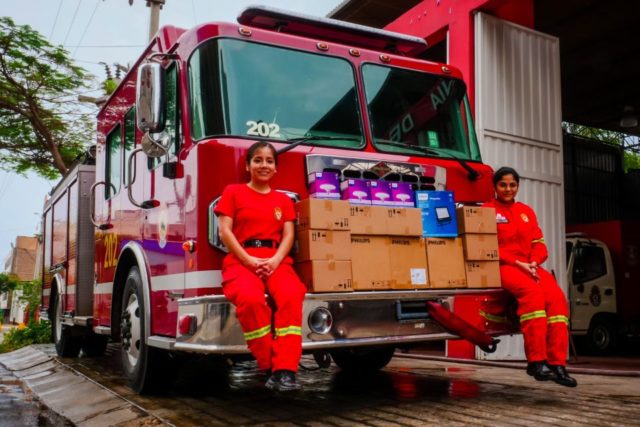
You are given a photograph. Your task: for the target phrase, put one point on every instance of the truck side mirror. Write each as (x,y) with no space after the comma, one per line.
(150,109)
(150,100)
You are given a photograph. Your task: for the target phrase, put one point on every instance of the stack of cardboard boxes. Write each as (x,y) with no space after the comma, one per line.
(477,226)
(341,246)
(322,252)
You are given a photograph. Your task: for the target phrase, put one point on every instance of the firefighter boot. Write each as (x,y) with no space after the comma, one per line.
(562,376)
(283,381)
(541,371)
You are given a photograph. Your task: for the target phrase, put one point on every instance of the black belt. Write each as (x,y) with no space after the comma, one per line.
(258,243)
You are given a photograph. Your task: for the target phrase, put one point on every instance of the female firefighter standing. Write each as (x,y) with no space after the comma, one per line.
(542,306)
(256,224)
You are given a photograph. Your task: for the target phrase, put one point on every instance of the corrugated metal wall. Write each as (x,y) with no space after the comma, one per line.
(518,119)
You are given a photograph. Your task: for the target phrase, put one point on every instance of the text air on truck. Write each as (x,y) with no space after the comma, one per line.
(132,252)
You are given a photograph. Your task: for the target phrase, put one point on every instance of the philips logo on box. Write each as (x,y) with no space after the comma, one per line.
(423,196)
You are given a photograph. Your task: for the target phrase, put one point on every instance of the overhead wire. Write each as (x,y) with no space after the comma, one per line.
(84,32)
(55,21)
(73,19)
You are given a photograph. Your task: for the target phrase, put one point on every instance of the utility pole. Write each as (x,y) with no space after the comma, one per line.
(154,19)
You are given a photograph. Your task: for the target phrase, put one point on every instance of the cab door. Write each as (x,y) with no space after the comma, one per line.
(592,283)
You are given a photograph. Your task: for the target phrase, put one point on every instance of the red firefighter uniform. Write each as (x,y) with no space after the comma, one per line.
(542,306)
(276,346)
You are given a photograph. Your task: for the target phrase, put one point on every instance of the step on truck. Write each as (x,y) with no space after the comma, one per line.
(132,253)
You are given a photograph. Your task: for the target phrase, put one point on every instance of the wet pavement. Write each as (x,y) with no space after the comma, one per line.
(409,392)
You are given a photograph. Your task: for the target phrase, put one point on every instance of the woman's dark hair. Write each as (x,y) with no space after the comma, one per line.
(258,145)
(502,172)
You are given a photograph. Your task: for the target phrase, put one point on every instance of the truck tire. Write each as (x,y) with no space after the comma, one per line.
(94,345)
(147,369)
(66,344)
(602,338)
(363,360)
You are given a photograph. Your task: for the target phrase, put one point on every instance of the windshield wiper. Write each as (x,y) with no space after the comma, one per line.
(294,142)
(472,174)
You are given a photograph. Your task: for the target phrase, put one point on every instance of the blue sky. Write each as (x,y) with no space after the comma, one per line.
(108,31)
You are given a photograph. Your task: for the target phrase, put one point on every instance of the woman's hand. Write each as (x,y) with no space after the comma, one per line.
(529,267)
(267,266)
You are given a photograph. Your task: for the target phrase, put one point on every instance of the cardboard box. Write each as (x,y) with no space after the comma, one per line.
(404,222)
(323,245)
(370,262)
(325,276)
(368,219)
(402,194)
(408,263)
(483,274)
(438,213)
(356,191)
(324,185)
(480,247)
(445,261)
(476,219)
(318,214)
(380,193)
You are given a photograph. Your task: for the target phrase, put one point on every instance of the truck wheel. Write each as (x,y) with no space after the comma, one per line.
(146,368)
(363,360)
(94,345)
(601,337)
(67,345)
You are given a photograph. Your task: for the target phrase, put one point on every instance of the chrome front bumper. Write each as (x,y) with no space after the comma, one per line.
(359,319)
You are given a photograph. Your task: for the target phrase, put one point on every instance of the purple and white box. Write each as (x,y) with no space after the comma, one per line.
(356,191)
(324,185)
(402,194)
(380,193)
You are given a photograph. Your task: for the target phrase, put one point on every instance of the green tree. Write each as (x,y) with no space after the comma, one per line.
(7,283)
(31,291)
(631,159)
(42,126)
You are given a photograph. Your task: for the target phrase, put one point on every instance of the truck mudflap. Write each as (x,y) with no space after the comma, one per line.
(336,320)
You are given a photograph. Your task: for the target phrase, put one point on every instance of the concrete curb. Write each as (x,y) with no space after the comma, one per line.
(72,395)
(519,365)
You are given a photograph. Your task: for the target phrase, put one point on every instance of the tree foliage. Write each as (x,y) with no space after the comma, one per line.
(7,283)
(42,126)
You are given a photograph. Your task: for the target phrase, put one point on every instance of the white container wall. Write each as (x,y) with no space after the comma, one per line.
(518,120)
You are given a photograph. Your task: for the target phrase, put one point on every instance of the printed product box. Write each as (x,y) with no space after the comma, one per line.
(323,244)
(368,219)
(483,274)
(408,263)
(324,185)
(404,222)
(438,213)
(325,276)
(402,194)
(480,247)
(445,261)
(380,193)
(370,262)
(476,219)
(356,191)
(321,214)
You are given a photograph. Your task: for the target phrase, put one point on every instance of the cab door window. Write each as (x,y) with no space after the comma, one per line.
(589,263)
(113,166)
(172,114)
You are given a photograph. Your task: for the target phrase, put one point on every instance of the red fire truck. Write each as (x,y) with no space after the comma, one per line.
(132,252)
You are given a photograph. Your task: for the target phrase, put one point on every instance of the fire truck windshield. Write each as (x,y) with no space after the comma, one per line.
(412,112)
(254,90)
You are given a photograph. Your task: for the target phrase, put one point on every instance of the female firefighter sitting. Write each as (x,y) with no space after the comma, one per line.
(542,306)
(256,224)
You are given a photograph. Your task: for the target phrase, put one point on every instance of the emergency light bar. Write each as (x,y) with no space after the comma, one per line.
(331,30)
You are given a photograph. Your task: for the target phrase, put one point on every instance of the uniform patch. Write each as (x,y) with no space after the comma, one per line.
(277,212)
(501,219)
(524,217)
